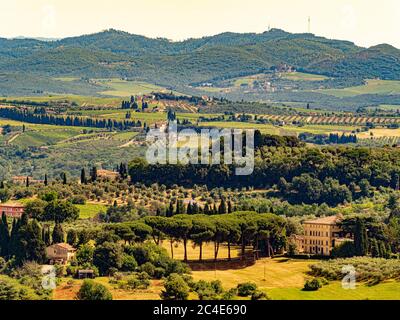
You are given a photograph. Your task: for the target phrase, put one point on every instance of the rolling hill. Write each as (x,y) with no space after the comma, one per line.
(117,53)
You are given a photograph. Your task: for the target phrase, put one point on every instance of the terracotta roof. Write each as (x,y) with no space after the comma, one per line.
(106,172)
(325,220)
(64,245)
(12,205)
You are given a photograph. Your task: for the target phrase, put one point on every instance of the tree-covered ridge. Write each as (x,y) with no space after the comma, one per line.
(301,174)
(227,55)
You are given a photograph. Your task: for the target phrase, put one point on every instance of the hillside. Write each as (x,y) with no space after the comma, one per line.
(117,53)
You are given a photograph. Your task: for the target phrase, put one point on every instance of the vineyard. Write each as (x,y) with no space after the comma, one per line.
(379,142)
(331,120)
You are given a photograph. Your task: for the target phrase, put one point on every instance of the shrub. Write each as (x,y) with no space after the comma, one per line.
(91,290)
(175,288)
(128,263)
(368,269)
(208,290)
(259,295)
(312,285)
(246,289)
(78,199)
(8,291)
(230,294)
(148,268)
(140,281)
(292,250)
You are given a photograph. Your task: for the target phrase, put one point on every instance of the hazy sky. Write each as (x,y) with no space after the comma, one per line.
(365,22)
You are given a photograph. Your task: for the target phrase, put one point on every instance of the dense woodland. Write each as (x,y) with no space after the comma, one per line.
(302,174)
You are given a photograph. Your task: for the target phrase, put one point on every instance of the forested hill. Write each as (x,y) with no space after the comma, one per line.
(117,53)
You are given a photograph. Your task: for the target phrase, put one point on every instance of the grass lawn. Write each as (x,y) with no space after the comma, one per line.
(284,280)
(90,210)
(389,290)
(279,273)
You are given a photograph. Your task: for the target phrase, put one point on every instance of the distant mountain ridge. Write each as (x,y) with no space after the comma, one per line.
(114,53)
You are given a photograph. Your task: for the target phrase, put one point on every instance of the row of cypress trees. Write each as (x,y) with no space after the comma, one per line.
(26,240)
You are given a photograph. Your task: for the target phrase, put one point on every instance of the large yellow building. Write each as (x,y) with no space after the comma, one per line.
(322,235)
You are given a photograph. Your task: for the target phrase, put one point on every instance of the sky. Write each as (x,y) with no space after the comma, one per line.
(365,22)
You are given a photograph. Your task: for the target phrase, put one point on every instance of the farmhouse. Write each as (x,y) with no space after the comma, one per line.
(22,180)
(107,174)
(60,253)
(12,210)
(322,235)
(86,274)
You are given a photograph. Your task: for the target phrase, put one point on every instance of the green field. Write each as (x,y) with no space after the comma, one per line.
(277,130)
(123,88)
(45,137)
(371,87)
(384,291)
(80,100)
(283,279)
(90,210)
(67,79)
(38,135)
(300,76)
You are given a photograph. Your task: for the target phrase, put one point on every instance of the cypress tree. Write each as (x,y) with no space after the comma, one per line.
(4,236)
(45,180)
(58,234)
(230,207)
(388,250)
(360,238)
(83,176)
(189,209)
(27,182)
(195,208)
(206,209)
(2,185)
(13,237)
(64,177)
(382,250)
(93,174)
(222,207)
(46,236)
(170,210)
(72,237)
(375,248)
(180,208)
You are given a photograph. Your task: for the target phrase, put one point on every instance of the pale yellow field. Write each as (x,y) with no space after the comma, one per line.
(378,133)
(279,273)
(65,291)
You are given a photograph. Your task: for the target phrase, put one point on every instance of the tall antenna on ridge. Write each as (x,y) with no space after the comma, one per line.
(309,24)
